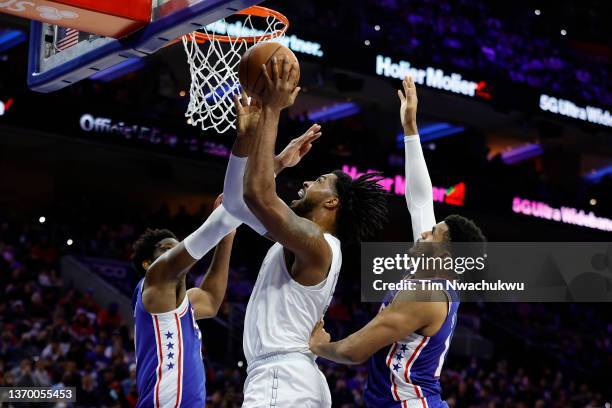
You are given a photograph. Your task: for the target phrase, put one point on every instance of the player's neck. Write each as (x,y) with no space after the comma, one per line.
(324,219)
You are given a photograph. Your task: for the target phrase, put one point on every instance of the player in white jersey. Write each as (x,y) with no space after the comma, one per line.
(298,275)
(170,371)
(406,343)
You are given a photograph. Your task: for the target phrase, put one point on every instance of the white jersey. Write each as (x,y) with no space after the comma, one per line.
(281,312)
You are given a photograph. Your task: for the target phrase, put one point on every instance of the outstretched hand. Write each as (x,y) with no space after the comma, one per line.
(297,148)
(247,114)
(281,89)
(408,106)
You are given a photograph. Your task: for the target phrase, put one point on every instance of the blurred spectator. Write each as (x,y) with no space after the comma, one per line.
(110,318)
(88,395)
(23,374)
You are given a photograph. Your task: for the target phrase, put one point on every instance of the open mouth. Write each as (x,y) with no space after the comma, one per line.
(301,193)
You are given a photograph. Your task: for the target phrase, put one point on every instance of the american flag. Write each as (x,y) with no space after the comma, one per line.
(69,37)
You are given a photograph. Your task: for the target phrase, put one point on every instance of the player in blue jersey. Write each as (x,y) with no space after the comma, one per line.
(169,366)
(407,342)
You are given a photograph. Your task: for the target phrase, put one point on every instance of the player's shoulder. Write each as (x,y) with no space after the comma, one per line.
(322,247)
(136,293)
(419,294)
(423,302)
(137,290)
(334,246)
(332,240)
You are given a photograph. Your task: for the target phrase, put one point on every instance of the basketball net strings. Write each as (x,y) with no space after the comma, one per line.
(213,66)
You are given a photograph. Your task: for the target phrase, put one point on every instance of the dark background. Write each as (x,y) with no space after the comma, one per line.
(102,189)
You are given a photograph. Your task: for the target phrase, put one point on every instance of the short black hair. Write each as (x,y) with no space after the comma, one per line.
(144,247)
(461,229)
(363,206)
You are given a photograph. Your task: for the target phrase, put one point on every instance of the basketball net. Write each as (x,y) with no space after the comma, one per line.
(213,55)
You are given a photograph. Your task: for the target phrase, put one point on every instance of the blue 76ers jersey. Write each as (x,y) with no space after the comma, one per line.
(406,373)
(169,366)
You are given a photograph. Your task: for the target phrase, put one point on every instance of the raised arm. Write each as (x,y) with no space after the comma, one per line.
(419,191)
(175,262)
(299,235)
(206,299)
(168,268)
(247,118)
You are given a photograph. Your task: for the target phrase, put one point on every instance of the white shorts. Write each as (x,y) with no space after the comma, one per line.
(286,381)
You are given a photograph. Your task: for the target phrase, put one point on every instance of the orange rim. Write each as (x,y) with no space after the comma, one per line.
(256,11)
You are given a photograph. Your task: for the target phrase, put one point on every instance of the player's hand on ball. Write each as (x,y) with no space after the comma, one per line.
(247,114)
(280,92)
(318,336)
(297,148)
(408,106)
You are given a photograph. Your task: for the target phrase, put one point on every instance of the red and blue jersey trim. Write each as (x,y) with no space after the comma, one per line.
(169,366)
(406,373)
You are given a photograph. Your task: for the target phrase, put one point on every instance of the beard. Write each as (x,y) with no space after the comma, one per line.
(302,207)
(422,248)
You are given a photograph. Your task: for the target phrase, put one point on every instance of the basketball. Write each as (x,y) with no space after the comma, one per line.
(249,73)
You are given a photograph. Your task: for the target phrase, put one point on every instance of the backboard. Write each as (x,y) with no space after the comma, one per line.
(59,57)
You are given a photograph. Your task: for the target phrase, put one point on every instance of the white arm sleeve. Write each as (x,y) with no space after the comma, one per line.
(216,226)
(233,188)
(419,192)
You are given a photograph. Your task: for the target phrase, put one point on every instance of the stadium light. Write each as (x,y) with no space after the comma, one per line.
(596,175)
(11,38)
(520,153)
(430,132)
(4,106)
(334,112)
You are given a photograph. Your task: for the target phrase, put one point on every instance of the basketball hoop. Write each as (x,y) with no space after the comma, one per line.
(213,55)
